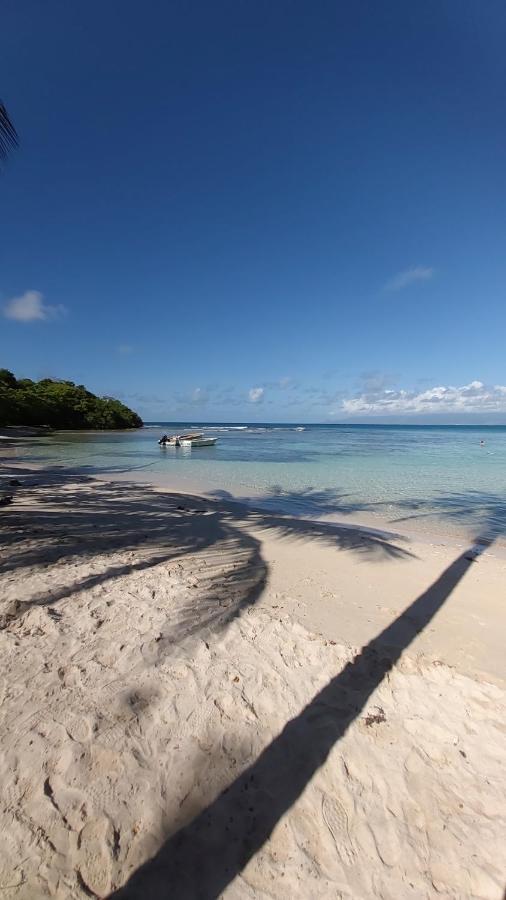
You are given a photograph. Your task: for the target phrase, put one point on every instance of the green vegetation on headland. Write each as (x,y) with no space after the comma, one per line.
(59,404)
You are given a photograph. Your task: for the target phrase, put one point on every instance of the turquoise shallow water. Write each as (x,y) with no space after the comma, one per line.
(420,474)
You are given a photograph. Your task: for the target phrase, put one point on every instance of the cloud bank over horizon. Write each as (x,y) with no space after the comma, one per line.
(475,397)
(373,400)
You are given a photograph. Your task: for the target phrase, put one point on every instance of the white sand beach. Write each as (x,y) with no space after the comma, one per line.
(252,451)
(201,700)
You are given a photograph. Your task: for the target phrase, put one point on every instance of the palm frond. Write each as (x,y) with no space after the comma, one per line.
(8,134)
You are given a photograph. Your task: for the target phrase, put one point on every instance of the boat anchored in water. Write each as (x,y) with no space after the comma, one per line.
(198,442)
(174,440)
(190,439)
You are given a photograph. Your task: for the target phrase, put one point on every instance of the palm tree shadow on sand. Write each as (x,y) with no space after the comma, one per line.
(98,527)
(482,511)
(200,860)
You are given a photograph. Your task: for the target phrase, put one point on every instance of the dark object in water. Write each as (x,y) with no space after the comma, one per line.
(15,482)
(6,499)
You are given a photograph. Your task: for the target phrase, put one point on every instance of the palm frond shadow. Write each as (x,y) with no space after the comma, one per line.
(156,528)
(295,515)
(305,502)
(8,134)
(484,512)
(98,527)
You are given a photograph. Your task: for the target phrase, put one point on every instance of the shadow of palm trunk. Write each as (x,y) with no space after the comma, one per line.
(200,860)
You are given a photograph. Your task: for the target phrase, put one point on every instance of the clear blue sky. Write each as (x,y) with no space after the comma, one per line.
(258,211)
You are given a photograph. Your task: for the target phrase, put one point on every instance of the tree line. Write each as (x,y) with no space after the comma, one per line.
(59,404)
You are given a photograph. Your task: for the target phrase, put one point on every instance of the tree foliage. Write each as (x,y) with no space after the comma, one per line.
(59,404)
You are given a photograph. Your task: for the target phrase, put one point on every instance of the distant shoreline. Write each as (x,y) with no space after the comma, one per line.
(223,423)
(13,432)
(16,432)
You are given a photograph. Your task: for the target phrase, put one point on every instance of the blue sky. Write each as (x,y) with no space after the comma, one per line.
(258,211)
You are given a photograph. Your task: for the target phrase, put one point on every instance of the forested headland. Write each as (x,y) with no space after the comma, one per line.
(59,404)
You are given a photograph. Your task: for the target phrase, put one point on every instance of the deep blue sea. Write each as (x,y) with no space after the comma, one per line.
(424,475)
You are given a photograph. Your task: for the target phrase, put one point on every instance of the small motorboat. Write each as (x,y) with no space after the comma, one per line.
(198,442)
(175,439)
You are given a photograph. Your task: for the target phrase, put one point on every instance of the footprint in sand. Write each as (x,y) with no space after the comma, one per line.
(113,736)
(385,839)
(70,802)
(79,729)
(94,858)
(336,819)
(103,793)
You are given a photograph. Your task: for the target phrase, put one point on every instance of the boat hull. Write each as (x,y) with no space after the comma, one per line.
(199,442)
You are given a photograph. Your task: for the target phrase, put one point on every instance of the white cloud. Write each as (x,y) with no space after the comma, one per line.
(256,395)
(409,276)
(199,395)
(474,397)
(30,307)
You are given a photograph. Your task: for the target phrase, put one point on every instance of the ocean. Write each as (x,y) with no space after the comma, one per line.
(425,477)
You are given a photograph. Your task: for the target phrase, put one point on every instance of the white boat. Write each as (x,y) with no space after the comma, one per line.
(176,439)
(198,442)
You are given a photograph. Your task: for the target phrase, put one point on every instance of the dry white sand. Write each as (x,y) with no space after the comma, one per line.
(186,686)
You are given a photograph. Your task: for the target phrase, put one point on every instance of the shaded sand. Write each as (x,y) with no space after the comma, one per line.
(182,685)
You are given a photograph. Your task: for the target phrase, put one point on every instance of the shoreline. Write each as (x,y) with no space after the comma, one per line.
(444,506)
(429,549)
(438,533)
